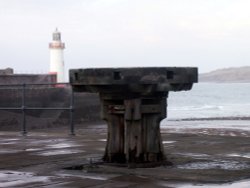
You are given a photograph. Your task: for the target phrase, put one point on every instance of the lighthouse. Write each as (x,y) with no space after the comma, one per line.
(56,56)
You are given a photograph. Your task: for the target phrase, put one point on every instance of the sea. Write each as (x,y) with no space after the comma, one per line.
(214,105)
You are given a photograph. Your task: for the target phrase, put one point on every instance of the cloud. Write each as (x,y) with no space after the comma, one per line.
(126,32)
(217,21)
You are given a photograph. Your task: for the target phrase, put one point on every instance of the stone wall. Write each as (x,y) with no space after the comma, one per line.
(87,107)
(27,78)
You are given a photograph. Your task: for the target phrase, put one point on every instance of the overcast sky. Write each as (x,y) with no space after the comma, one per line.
(209,34)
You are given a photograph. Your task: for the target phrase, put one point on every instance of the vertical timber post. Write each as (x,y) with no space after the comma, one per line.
(71,113)
(24,131)
(134,130)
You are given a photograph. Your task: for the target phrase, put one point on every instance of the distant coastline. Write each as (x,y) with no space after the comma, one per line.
(227,75)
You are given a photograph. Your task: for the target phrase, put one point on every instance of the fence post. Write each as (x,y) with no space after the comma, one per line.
(24,131)
(71,112)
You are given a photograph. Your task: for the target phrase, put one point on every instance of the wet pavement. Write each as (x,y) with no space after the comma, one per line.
(43,159)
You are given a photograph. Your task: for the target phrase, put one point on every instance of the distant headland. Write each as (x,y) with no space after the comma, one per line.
(227,75)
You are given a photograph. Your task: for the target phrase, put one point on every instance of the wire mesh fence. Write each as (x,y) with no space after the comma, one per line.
(17,100)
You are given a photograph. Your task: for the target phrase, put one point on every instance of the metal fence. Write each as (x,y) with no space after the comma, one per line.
(23,108)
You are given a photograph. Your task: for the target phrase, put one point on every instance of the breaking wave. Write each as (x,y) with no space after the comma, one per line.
(196,108)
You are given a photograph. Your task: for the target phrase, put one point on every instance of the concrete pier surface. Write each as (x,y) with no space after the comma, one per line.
(52,158)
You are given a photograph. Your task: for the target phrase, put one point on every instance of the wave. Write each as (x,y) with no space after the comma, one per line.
(196,108)
(230,118)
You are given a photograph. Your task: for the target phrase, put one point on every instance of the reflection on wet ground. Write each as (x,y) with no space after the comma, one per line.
(59,152)
(17,179)
(245,155)
(219,164)
(89,176)
(102,140)
(168,142)
(193,154)
(240,184)
(62,145)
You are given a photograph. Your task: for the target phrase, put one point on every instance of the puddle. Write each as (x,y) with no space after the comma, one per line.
(64,145)
(193,154)
(33,149)
(9,139)
(8,143)
(240,184)
(17,179)
(92,176)
(239,155)
(168,142)
(59,152)
(225,165)
(102,140)
(232,134)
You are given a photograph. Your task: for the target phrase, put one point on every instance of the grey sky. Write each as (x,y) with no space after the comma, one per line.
(209,34)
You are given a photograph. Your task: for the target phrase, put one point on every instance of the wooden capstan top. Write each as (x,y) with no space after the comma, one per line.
(163,78)
(133,102)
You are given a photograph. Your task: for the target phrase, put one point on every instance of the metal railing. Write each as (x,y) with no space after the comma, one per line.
(23,108)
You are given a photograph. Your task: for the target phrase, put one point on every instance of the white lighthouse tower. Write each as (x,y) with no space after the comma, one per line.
(56,56)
